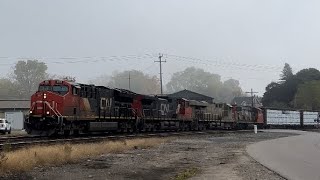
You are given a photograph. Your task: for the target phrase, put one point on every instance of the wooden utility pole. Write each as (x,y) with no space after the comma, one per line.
(129,81)
(252,96)
(160,62)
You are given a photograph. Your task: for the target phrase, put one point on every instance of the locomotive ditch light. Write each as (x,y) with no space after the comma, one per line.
(48,112)
(31,112)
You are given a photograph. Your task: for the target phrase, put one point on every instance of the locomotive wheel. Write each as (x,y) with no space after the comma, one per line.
(76,132)
(66,133)
(205,127)
(130,129)
(186,127)
(200,128)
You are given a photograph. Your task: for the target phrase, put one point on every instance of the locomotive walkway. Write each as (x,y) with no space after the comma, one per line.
(295,157)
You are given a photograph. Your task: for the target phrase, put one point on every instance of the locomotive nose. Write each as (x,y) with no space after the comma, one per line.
(41,104)
(41,95)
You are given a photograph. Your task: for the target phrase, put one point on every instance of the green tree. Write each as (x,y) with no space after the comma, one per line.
(308,96)
(286,72)
(309,74)
(284,93)
(27,75)
(139,82)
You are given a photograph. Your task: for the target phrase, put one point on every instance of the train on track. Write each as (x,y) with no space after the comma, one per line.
(62,107)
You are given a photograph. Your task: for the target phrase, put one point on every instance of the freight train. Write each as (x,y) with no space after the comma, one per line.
(62,107)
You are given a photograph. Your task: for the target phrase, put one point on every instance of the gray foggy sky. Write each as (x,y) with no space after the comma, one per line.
(231,37)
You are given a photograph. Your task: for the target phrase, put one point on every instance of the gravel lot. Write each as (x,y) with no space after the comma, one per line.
(214,156)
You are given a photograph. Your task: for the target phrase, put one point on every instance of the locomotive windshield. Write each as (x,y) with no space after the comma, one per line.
(61,89)
(44,88)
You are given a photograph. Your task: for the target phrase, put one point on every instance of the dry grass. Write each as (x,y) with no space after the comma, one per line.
(38,156)
(187,174)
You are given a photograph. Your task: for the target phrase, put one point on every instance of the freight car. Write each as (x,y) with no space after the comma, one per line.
(62,107)
(291,118)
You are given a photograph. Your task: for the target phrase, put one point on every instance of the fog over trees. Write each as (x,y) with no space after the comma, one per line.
(300,90)
(24,79)
(26,76)
(133,80)
(197,80)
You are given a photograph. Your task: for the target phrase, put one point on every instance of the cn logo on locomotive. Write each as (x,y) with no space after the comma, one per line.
(164,108)
(105,102)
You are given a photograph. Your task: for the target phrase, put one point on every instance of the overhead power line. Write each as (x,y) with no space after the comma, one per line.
(76,60)
(224,64)
(213,63)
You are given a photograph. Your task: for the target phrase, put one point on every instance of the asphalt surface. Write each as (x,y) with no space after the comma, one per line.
(295,157)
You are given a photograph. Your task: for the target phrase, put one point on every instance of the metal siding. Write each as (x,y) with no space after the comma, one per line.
(277,117)
(309,118)
(16,119)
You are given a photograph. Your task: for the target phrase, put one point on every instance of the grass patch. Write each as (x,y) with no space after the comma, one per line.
(39,156)
(186,174)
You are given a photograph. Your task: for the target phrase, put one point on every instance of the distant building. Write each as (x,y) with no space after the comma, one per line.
(14,111)
(191,96)
(14,106)
(247,101)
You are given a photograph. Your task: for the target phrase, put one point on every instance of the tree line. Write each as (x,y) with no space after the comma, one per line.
(26,75)
(23,80)
(298,91)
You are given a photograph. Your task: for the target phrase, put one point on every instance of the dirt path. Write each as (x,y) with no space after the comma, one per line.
(219,156)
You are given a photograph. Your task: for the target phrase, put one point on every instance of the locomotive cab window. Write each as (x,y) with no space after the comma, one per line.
(75,91)
(103,103)
(62,90)
(45,88)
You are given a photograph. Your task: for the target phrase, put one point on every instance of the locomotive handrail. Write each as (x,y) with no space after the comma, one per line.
(57,113)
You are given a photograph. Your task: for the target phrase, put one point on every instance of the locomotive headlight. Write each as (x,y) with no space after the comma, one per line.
(44,96)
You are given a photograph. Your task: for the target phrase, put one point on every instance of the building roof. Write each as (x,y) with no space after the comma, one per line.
(14,104)
(247,101)
(191,96)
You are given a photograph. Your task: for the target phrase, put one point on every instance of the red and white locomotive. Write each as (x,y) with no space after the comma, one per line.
(62,107)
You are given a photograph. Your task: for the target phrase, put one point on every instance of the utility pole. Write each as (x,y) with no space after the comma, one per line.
(129,81)
(252,95)
(160,62)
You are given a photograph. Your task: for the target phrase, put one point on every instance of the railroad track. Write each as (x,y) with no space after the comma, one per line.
(16,138)
(14,143)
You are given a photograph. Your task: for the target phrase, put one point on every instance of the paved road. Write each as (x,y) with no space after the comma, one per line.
(295,157)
